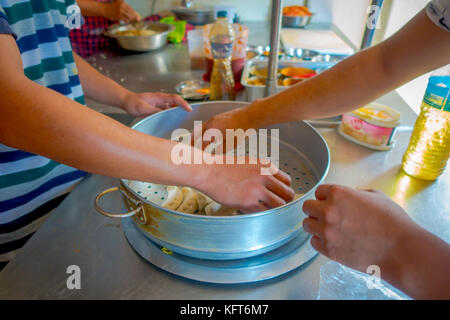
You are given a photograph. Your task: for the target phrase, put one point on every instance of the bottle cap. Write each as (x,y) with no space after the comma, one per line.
(222,14)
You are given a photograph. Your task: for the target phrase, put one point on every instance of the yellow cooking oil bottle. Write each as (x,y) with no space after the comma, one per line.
(222,38)
(429,147)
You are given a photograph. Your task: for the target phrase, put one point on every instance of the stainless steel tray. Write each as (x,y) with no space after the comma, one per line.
(253,92)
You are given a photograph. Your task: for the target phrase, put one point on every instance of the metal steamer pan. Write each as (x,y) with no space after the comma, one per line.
(142,43)
(303,152)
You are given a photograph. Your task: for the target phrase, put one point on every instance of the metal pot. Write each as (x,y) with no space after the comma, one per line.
(296,22)
(141,43)
(195,16)
(303,152)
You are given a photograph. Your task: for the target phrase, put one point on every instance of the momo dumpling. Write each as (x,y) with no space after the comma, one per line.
(202,201)
(216,209)
(174,198)
(189,204)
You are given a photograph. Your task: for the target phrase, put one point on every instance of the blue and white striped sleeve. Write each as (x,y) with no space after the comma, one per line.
(439,12)
(4,24)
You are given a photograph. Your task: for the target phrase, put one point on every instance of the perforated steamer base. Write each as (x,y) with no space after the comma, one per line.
(291,161)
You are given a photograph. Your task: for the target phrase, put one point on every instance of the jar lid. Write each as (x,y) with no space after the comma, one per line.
(378,114)
(222,14)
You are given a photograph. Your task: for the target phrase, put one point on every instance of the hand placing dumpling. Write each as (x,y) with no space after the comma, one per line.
(216,209)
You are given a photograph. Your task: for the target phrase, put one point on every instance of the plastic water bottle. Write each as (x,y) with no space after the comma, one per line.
(429,148)
(221,38)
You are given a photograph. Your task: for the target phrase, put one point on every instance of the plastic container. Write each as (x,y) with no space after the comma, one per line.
(221,39)
(238,55)
(372,126)
(196,49)
(429,148)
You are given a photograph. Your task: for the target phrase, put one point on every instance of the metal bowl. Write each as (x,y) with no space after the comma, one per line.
(195,16)
(302,54)
(302,151)
(142,43)
(296,22)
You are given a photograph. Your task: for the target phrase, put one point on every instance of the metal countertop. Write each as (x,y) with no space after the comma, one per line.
(75,234)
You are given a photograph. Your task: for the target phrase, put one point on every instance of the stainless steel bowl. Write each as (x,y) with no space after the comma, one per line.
(302,54)
(142,43)
(296,22)
(195,16)
(302,152)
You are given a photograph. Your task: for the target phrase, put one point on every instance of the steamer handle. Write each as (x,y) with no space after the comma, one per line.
(139,210)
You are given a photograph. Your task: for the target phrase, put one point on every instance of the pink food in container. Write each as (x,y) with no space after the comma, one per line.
(372,126)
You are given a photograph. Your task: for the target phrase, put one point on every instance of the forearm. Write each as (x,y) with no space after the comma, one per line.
(340,89)
(99,87)
(41,121)
(419,266)
(417,48)
(91,8)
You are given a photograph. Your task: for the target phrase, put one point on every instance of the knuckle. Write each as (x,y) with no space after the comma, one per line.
(335,190)
(338,192)
(328,232)
(329,213)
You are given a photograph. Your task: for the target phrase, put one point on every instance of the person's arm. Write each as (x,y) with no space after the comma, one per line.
(42,121)
(103,89)
(116,11)
(419,47)
(365,228)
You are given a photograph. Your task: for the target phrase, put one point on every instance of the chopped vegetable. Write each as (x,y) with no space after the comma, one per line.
(296,11)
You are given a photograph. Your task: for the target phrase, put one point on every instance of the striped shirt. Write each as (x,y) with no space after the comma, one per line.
(32,185)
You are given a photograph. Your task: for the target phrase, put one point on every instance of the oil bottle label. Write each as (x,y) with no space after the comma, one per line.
(437,94)
(221,50)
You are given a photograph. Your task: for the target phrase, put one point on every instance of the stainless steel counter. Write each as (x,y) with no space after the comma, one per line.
(75,234)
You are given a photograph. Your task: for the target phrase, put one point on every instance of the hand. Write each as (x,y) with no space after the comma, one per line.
(356,228)
(144,104)
(241,186)
(120,10)
(233,119)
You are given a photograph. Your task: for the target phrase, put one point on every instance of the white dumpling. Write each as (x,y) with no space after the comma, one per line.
(202,201)
(189,204)
(174,198)
(216,209)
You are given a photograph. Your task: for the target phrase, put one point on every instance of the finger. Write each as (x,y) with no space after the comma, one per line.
(271,200)
(314,208)
(318,245)
(179,101)
(283,177)
(314,227)
(323,191)
(280,188)
(130,13)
